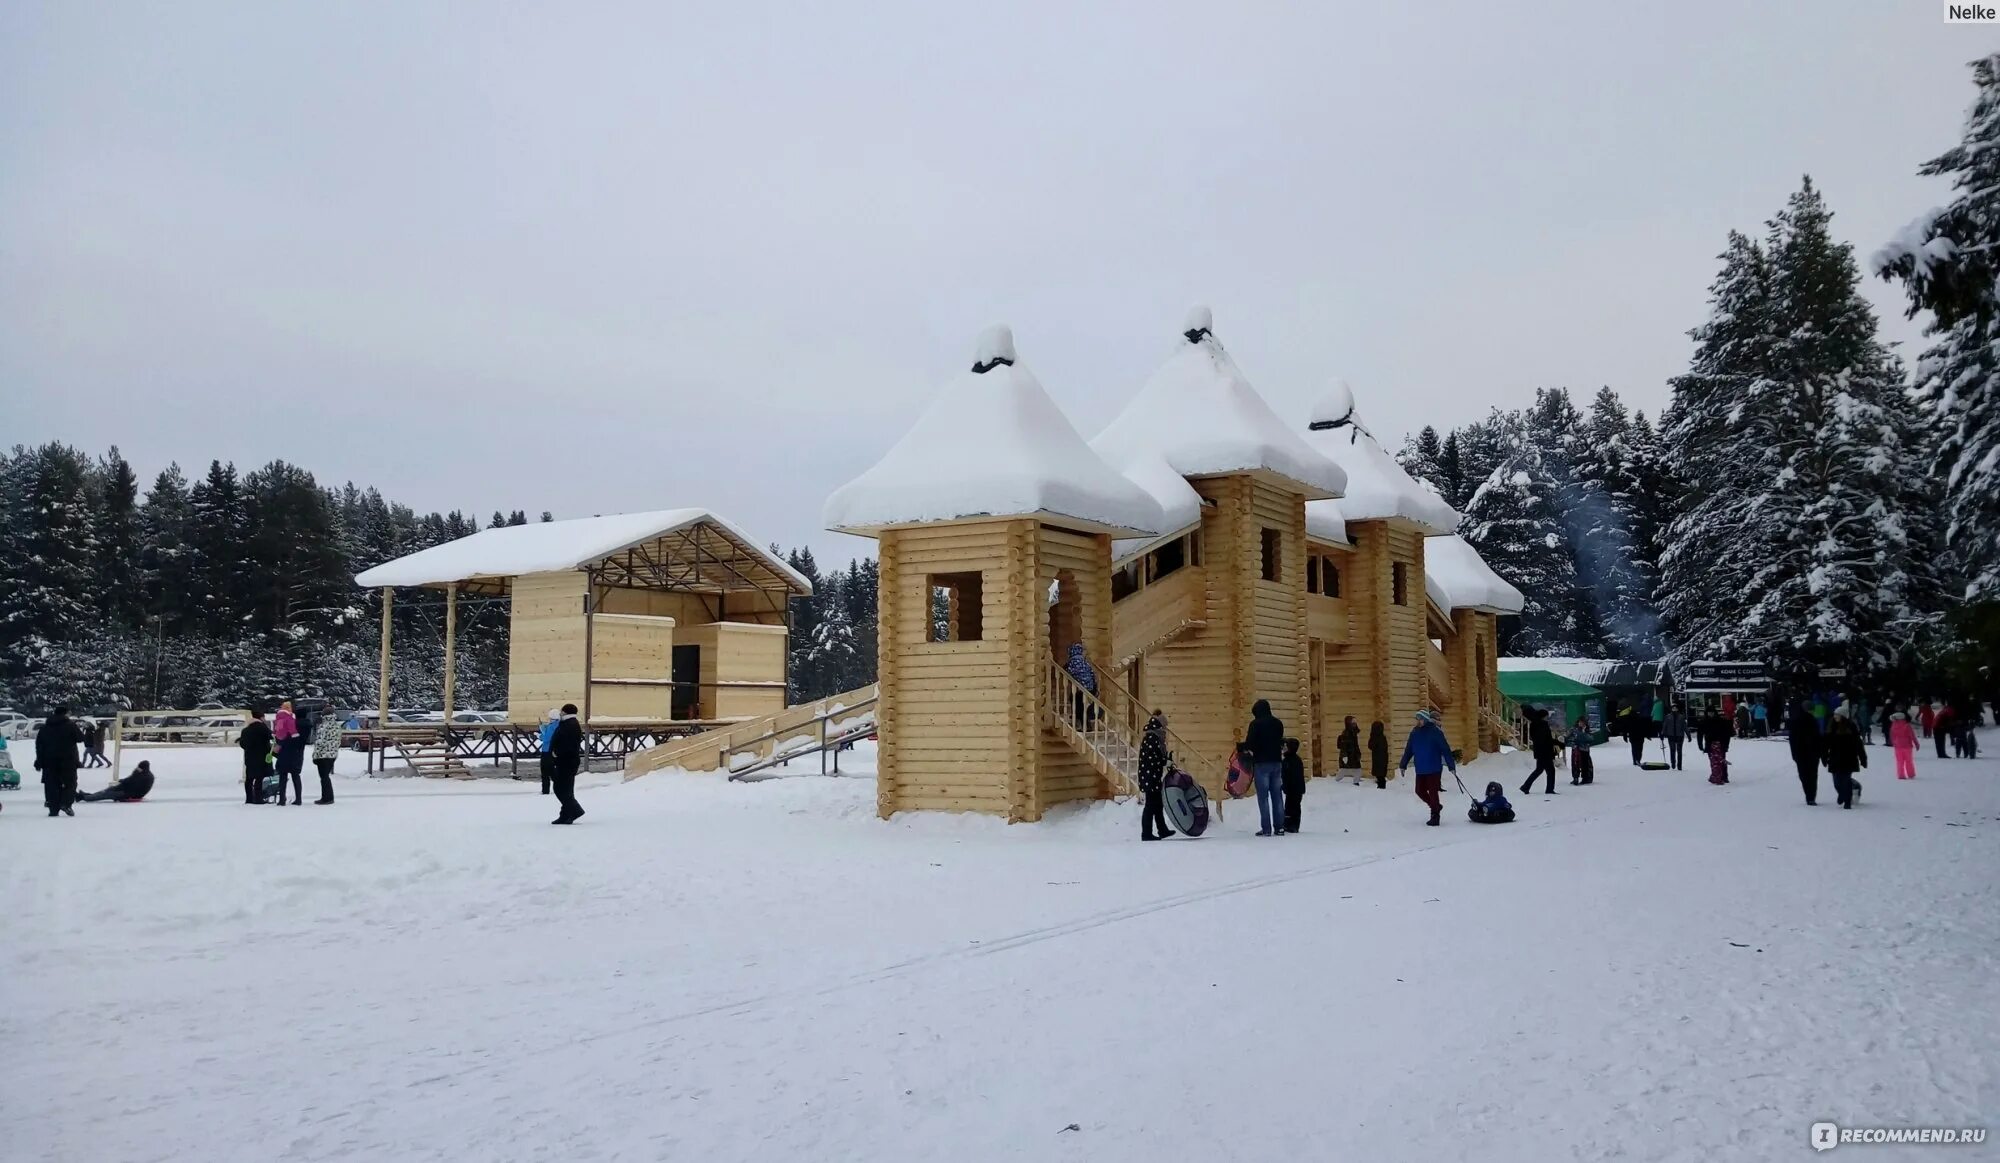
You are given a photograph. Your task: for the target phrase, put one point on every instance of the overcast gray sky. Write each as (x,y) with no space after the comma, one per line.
(597,258)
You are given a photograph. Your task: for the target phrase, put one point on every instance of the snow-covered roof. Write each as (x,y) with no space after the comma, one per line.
(993,445)
(541,547)
(1597,672)
(1201,416)
(1327,521)
(1468,583)
(1588,671)
(1180,506)
(1377,487)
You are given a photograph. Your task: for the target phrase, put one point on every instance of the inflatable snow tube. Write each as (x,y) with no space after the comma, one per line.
(1186,804)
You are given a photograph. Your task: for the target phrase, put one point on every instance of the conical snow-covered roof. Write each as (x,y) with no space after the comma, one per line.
(1202,417)
(993,445)
(1377,487)
(1468,583)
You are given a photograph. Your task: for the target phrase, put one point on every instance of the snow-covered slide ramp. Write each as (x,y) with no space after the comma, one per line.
(746,747)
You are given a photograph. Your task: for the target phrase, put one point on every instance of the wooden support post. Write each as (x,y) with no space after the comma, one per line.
(589,646)
(450,655)
(382,691)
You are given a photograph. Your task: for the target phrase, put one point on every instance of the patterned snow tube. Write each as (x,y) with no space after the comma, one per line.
(1185,802)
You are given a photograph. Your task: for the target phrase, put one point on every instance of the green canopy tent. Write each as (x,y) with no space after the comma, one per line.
(1566,700)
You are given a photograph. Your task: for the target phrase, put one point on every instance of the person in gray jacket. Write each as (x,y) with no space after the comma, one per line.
(1673,727)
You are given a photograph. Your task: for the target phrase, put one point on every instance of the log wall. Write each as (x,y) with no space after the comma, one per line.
(958,722)
(545,652)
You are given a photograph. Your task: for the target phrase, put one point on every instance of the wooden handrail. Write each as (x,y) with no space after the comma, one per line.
(1191,760)
(1098,727)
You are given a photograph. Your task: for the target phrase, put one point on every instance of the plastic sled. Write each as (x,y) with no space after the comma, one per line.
(1185,803)
(1240,780)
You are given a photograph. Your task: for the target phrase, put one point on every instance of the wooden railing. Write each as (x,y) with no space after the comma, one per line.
(1439,672)
(1098,724)
(712,750)
(1504,717)
(1155,613)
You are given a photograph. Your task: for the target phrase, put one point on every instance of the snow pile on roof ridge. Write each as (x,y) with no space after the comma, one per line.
(1468,582)
(1199,413)
(1377,487)
(546,546)
(992,444)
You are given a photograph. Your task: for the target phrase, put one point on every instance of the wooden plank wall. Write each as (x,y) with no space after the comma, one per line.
(638,648)
(1486,628)
(1404,634)
(1194,679)
(1461,718)
(753,606)
(1278,662)
(545,650)
(1081,560)
(957,720)
(1354,667)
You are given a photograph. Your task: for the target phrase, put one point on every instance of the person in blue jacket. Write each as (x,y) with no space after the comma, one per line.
(548,755)
(1494,809)
(1431,752)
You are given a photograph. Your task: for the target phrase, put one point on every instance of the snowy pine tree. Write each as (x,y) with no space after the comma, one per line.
(1614,556)
(118,541)
(1421,457)
(1795,544)
(1514,523)
(1949,263)
(1712,544)
(50,582)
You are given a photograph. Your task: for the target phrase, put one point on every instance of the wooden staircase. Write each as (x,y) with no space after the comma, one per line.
(801,730)
(431,758)
(1106,738)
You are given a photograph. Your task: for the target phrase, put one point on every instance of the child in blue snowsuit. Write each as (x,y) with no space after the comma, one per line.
(1494,809)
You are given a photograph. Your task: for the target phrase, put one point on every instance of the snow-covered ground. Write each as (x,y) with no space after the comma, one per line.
(1648,968)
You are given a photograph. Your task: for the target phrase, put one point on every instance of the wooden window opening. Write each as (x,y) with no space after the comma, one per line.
(1273,554)
(1401,579)
(956,606)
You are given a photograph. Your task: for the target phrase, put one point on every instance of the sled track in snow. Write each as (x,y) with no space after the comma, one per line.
(1018,940)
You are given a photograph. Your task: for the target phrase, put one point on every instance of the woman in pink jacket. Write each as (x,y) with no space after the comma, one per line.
(1903,738)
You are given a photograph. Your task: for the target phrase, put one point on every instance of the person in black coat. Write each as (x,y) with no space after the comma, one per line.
(55,757)
(1542,743)
(128,790)
(255,740)
(1378,753)
(1152,773)
(1266,740)
(1294,776)
(567,747)
(1806,749)
(1844,755)
(1349,748)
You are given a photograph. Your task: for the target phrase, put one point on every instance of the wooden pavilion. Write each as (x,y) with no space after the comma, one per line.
(642,620)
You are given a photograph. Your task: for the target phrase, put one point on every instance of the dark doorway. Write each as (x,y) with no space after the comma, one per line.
(687,681)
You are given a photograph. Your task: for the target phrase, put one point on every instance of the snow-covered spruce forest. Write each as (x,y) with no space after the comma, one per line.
(239,587)
(1807,496)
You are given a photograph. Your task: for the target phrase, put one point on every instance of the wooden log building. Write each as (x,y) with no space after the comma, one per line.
(1205,555)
